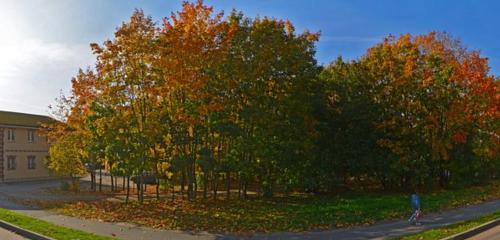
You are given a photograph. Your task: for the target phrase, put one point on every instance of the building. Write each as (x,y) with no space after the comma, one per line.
(23,151)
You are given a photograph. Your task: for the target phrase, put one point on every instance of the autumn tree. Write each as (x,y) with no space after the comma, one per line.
(127,89)
(205,101)
(430,101)
(67,134)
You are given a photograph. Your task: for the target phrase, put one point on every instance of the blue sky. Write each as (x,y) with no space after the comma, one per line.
(44,42)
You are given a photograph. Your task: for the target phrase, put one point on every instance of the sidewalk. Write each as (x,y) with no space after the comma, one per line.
(6,234)
(377,231)
(381,230)
(119,230)
(389,229)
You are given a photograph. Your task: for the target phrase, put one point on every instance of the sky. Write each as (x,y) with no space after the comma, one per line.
(43,43)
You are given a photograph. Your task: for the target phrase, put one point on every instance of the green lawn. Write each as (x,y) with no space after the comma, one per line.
(291,213)
(45,228)
(443,232)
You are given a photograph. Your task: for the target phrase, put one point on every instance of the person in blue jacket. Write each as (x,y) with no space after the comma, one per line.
(415,205)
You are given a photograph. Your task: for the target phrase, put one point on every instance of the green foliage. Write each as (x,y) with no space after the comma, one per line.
(281,213)
(406,114)
(66,157)
(73,186)
(206,97)
(443,232)
(45,228)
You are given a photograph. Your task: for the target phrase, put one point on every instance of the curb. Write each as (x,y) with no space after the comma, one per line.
(474,231)
(23,232)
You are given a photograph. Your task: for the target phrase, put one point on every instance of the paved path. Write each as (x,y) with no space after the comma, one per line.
(126,231)
(390,229)
(493,233)
(119,230)
(8,235)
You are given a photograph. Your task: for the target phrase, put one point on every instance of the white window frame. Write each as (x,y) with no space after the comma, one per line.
(11,162)
(31,136)
(11,135)
(31,162)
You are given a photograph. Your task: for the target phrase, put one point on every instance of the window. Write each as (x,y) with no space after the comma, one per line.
(31,136)
(31,162)
(11,135)
(11,162)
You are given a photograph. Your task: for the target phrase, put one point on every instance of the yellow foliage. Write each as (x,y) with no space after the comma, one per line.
(191,131)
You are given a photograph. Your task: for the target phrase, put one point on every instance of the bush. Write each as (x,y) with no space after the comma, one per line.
(72,186)
(64,186)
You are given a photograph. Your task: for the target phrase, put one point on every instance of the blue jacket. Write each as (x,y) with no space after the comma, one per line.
(415,201)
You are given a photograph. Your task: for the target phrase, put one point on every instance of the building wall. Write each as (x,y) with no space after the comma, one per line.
(21,148)
(1,154)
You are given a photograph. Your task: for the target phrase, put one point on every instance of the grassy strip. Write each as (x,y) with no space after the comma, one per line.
(290,213)
(45,228)
(442,232)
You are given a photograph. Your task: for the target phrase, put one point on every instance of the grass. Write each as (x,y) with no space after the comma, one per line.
(290,213)
(439,233)
(45,228)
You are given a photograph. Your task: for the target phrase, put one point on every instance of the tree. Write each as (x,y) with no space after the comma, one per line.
(206,99)
(127,88)
(66,158)
(428,102)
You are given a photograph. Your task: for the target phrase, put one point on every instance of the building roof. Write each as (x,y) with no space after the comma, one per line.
(23,119)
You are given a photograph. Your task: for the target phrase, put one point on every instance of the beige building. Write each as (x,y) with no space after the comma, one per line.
(23,151)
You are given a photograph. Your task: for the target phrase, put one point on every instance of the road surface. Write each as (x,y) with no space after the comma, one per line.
(493,233)
(8,235)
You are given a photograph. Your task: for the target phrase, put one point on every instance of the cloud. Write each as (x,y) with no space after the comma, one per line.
(33,71)
(15,57)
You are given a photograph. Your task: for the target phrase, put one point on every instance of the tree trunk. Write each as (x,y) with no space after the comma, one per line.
(190,184)
(141,188)
(138,184)
(239,185)
(157,189)
(190,175)
(128,189)
(92,181)
(195,184)
(228,185)
(116,183)
(245,186)
(100,179)
(173,189)
(214,185)
(183,179)
(112,183)
(205,184)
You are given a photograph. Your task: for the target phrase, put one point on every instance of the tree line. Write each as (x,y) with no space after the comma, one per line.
(214,103)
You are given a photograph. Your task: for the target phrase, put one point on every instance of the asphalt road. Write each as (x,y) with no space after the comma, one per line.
(8,235)
(493,233)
